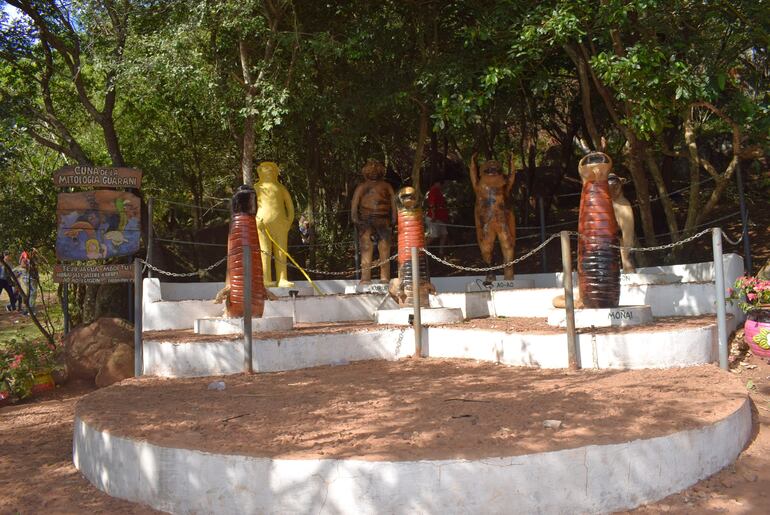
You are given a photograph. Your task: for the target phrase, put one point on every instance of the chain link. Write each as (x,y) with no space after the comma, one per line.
(657,247)
(350,272)
(188,274)
(449,264)
(731,242)
(496,267)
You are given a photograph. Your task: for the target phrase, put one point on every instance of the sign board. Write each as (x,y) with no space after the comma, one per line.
(93,274)
(98,177)
(97,225)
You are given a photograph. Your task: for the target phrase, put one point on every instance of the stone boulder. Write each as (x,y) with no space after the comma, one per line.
(87,348)
(119,366)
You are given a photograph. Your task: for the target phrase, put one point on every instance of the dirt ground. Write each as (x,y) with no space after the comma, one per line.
(412,409)
(37,475)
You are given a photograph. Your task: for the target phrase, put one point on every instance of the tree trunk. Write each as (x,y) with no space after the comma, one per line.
(420,148)
(636,167)
(694,166)
(247,159)
(663,197)
(585,95)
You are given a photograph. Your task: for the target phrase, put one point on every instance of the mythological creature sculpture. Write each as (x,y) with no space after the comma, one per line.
(243,231)
(411,233)
(598,257)
(374,213)
(275,215)
(624,215)
(494,217)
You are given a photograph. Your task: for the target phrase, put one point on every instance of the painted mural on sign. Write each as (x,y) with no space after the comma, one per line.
(97,225)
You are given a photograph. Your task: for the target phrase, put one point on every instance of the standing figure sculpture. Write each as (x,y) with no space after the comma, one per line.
(373,211)
(243,231)
(624,215)
(411,233)
(275,215)
(598,262)
(494,216)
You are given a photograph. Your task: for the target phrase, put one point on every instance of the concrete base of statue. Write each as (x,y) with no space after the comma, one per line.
(499,284)
(428,316)
(621,316)
(225,325)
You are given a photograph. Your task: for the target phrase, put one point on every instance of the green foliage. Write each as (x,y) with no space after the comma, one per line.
(20,359)
(334,83)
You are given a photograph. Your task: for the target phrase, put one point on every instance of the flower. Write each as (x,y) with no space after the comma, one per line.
(20,360)
(751,293)
(17,360)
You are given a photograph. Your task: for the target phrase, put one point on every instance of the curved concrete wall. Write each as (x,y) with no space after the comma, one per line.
(658,349)
(596,478)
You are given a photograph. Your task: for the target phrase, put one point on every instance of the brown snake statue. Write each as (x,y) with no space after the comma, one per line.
(411,233)
(243,231)
(598,263)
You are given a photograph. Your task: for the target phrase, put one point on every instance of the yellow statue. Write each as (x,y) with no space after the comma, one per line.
(275,214)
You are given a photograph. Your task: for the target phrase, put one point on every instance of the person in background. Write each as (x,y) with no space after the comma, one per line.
(28,261)
(438,217)
(6,282)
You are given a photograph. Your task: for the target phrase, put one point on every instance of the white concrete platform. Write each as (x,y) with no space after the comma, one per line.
(428,316)
(302,291)
(622,316)
(224,325)
(512,284)
(590,479)
(670,291)
(378,288)
(648,348)
(650,278)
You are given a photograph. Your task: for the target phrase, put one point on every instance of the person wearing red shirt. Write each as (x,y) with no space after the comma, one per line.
(438,217)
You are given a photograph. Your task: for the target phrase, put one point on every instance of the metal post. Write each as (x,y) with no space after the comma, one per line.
(744,221)
(150,235)
(247,336)
(541,208)
(719,284)
(417,325)
(293,294)
(569,301)
(138,350)
(130,302)
(65,306)
(356,252)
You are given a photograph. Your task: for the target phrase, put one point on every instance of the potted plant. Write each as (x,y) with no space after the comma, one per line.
(25,368)
(753,297)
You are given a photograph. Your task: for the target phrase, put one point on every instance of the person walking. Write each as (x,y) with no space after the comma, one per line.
(31,276)
(6,282)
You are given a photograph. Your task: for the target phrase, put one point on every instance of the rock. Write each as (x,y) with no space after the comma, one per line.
(217,385)
(552,424)
(88,347)
(119,366)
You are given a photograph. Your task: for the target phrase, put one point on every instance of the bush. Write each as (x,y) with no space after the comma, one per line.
(20,359)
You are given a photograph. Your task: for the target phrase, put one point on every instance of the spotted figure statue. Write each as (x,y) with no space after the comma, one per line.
(411,233)
(274,218)
(598,264)
(624,215)
(494,214)
(373,211)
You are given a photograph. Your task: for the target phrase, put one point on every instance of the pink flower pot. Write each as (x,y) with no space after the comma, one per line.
(757,322)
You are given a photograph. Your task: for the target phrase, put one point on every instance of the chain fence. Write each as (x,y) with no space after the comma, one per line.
(354,271)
